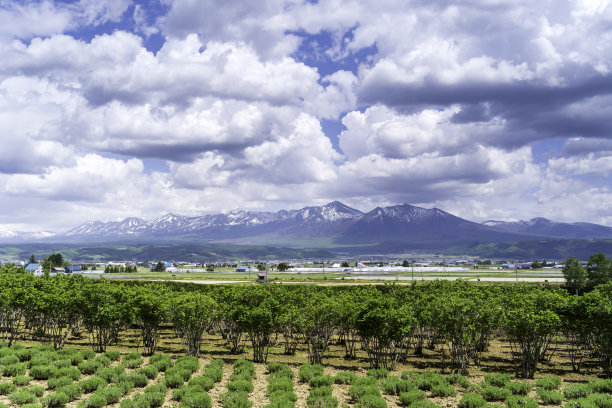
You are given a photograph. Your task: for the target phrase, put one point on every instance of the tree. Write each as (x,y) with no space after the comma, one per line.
(150,311)
(32,259)
(192,315)
(575,275)
(261,267)
(344,264)
(535,265)
(52,261)
(599,270)
(384,327)
(598,304)
(405,264)
(160,267)
(282,267)
(531,320)
(259,318)
(106,311)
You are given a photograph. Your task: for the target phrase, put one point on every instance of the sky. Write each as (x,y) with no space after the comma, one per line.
(488,109)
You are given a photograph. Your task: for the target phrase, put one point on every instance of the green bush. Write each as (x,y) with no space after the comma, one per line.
(157,388)
(62,363)
(197,400)
(393,385)
(325,391)
(549,397)
(321,380)
(44,358)
(427,381)
(36,390)
(179,393)
(520,401)
(321,402)
(378,373)
(9,360)
(493,393)
(283,395)
(601,386)
(580,403)
(344,377)
(276,367)
(356,391)
(87,354)
(173,380)
(161,361)
(133,363)
(371,401)
(423,403)
(103,361)
(76,359)
(280,384)
(91,384)
(152,399)
(111,374)
(96,400)
(150,371)
(42,372)
(88,367)
(71,372)
(112,394)
(185,374)
(23,354)
(576,391)
(139,380)
(213,372)
(459,380)
(56,400)
(519,388)
(240,385)
(21,380)
(14,370)
(281,403)
(472,400)
(549,383)
(72,391)
(601,400)
(443,390)
(497,380)
(22,397)
(203,381)
(236,399)
(307,371)
(190,363)
(113,355)
(7,387)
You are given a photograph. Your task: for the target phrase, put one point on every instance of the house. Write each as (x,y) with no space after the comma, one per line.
(34,267)
(261,277)
(243,268)
(72,269)
(57,269)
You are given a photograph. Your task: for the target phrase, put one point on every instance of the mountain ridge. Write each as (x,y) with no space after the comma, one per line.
(332,224)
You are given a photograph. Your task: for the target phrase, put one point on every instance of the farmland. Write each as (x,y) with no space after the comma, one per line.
(103,343)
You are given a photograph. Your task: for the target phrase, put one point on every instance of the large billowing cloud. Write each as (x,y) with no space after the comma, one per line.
(489,109)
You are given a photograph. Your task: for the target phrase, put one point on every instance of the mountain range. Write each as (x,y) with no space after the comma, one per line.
(334,225)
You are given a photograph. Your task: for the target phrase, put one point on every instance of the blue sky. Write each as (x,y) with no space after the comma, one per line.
(489,109)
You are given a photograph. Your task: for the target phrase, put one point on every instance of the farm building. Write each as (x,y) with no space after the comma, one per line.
(34,267)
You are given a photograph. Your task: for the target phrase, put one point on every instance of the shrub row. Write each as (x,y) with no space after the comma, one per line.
(240,385)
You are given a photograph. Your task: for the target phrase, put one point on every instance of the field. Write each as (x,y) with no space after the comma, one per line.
(123,377)
(340,276)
